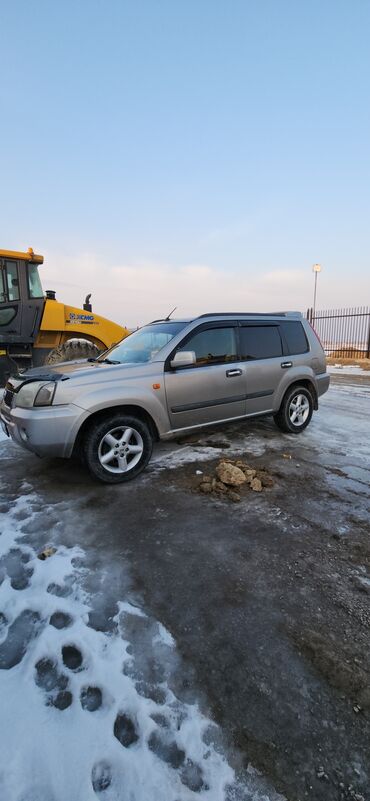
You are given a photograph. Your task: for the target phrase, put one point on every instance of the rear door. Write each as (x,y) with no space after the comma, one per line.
(213,389)
(261,350)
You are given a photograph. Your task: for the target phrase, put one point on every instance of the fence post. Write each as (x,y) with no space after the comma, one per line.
(368,342)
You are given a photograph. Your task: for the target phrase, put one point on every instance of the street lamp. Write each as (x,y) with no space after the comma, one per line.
(316,269)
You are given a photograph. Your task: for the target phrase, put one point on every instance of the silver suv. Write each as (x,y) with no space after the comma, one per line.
(169,377)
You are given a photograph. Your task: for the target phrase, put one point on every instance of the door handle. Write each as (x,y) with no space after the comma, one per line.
(232,373)
(287,364)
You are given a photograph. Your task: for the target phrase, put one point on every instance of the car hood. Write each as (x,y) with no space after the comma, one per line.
(81,368)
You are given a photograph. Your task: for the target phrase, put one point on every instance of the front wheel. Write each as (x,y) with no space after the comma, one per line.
(117,448)
(295,411)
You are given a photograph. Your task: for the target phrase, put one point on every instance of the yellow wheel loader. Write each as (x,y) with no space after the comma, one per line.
(35,328)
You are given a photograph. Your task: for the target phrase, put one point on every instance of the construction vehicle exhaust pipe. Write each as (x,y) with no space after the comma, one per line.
(87,305)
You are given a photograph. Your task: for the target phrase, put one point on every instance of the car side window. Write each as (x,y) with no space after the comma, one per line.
(295,337)
(213,346)
(260,342)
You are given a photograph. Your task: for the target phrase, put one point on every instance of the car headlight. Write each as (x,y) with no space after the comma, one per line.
(35,393)
(45,394)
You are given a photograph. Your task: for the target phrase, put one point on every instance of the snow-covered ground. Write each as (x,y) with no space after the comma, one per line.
(88,714)
(347,369)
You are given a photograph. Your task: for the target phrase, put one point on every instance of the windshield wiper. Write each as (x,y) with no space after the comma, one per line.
(106,361)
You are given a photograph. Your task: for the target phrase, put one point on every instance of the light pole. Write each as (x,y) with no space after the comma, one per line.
(316,269)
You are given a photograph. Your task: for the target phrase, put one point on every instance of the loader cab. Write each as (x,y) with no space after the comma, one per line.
(21,297)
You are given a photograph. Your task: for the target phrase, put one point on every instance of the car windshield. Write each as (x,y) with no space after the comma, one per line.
(143,345)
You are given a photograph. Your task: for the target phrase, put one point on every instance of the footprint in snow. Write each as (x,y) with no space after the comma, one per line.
(14,564)
(23,629)
(72,658)
(54,684)
(91,698)
(125,730)
(101,777)
(60,620)
(61,590)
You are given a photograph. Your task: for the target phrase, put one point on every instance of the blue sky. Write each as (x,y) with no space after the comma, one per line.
(189,152)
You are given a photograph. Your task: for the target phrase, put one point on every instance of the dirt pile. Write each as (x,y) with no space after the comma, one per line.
(231,477)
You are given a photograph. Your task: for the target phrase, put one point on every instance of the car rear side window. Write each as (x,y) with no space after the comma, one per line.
(260,342)
(213,346)
(295,337)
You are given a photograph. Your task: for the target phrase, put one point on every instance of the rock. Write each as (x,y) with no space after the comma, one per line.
(265,479)
(46,553)
(250,473)
(205,487)
(233,496)
(230,474)
(220,487)
(256,485)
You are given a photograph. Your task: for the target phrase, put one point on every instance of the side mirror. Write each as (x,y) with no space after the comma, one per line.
(183,358)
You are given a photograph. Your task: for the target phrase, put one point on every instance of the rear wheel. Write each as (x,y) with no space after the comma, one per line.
(117,448)
(72,349)
(295,411)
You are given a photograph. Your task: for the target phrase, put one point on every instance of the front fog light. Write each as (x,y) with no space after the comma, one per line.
(45,395)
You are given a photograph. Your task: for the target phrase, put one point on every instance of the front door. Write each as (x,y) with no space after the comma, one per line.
(213,389)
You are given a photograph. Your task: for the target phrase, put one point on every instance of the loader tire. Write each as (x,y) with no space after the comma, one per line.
(72,349)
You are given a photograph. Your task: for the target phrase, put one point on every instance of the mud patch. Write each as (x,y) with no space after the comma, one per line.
(340,669)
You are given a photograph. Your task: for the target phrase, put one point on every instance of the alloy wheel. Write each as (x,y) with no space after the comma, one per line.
(120,449)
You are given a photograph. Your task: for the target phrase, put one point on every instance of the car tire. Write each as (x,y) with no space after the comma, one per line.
(117,448)
(295,411)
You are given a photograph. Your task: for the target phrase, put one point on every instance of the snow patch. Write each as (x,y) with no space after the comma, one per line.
(88,714)
(347,369)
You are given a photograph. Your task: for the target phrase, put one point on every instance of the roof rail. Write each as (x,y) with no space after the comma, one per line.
(251,314)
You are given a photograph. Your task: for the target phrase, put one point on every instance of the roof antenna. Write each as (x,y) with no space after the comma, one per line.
(171,312)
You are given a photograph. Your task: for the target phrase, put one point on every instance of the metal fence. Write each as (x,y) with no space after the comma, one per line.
(343,332)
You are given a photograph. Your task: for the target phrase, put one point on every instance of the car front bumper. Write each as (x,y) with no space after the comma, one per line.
(46,431)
